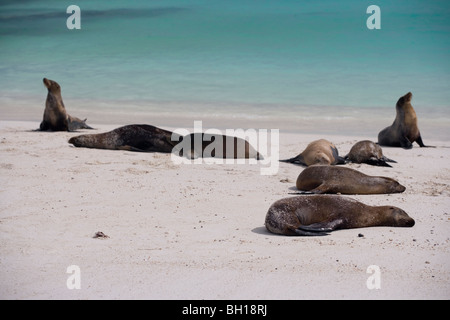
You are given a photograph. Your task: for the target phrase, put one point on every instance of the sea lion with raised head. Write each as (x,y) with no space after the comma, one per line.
(319,152)
(404,130)
(369,152)
(55,116)
(332,179)
(135,137)
(317,215)
(205,145)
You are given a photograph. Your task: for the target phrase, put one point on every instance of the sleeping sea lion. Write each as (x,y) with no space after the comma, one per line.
(319,152)
(205,145)
(135,137)
(317,215)
(55,116)
(404,131)
(368,152)
(332,179)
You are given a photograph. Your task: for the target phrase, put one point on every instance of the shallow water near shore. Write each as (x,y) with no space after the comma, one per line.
(277,60)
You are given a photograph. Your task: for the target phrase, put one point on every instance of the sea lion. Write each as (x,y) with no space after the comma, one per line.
(55,116)
(317,215)
(368,152)
(404,131)
(332,179)
(205,145)
(134,137)
(319,152)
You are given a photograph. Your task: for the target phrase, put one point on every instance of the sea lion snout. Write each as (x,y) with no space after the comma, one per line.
(408,97)
(51,85)
(75,141)
(400,188)
(402,219)
(47,83)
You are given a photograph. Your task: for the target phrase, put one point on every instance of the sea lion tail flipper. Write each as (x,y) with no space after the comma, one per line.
(296,160)
(340,160)
(388,160)
(347,159)
(302,192)
(378,162)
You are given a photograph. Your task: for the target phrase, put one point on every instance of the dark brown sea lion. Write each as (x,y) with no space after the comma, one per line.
(319,152)
(317,215)
(135,137)
(205,145)
(404,131)
(369,152)
(332,179)
(55,116)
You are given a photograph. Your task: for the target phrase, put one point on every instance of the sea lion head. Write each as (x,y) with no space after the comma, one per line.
(400,218)
(51,85)
(392,186)
(77,141)
(404,100)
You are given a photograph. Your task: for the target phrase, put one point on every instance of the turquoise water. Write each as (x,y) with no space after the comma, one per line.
(276,55)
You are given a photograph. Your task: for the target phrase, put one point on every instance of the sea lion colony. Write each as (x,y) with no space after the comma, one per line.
(290,216)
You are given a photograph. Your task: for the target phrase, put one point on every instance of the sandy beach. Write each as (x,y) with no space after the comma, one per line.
(196,231)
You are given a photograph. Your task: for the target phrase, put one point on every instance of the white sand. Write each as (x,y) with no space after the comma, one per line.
(197,231)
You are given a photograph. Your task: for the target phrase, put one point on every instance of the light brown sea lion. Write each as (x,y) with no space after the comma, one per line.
(135,137)
(55,116)
(369,152)
(404,131)
(332,179)
(317,215)
(205,145)
(319,152)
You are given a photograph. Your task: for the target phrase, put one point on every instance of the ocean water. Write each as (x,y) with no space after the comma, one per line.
(229,57)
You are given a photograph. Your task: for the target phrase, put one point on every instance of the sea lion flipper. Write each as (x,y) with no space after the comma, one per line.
(388,160)
(302,192)
(405,143)
(296,160)
(322,226)
(316,227)
(130,148)
(421,144)
(300,232)
(378,162)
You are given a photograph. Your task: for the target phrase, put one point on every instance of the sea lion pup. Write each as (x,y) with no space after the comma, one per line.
(317,215)
(55,116)
(368,152)
(318,152)
(404,131)
(134,137)
(205,145)
(332,179)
